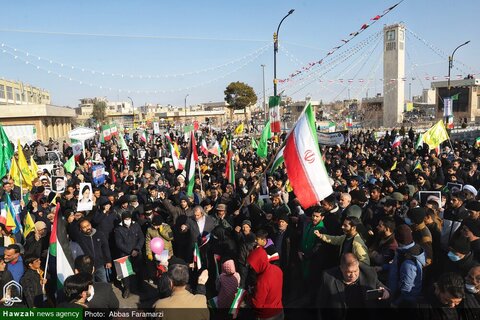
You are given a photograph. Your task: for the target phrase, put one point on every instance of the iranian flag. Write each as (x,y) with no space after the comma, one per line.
(230,168)
(204,147)
(349,122)
(113,130)
(60,248)
(143,136)
(237,300)
(278,160)
(197,261)
(305,168)
(123,267)
(274,109)
(106,133)
(192,159)
(176,162)
(397,142)
(215,149)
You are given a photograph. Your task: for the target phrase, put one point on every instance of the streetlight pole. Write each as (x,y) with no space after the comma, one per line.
(450,65)
(185,108)
(133,112)
(264,101)
(450,62)
(275,50)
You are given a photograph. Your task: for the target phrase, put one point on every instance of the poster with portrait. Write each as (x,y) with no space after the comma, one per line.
(85,202)
(454,187)
(98,174)
(58,184)
(424,196)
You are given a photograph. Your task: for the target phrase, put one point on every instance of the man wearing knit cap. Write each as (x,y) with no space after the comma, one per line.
(406,274)
(471,230)
(473,208)
(421,234)
(460,258)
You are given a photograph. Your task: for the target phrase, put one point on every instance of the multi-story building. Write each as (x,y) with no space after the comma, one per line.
(15,92)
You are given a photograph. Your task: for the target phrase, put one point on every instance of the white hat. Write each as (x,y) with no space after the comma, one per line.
(471,189)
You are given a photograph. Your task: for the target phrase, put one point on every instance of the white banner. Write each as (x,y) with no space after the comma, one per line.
(331,139)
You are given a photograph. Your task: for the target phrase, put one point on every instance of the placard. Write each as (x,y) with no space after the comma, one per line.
(85,202)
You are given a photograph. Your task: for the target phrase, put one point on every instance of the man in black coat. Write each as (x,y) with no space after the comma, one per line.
(32,282)
(103,295)
(129,240)
(343,290)
(95,244)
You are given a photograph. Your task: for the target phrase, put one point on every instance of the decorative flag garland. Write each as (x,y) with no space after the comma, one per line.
(344,42)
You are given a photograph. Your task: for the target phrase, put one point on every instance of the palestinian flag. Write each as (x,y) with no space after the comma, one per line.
(60,248)
(234,308)
(123,267)
(192,159)
(278,160)
(230,168)
(274,109)
(197,260)
(305,168)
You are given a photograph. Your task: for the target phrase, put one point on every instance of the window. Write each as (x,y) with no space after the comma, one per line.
(9,93)
(2,92)
(391,46)
(17,95)
(391,35)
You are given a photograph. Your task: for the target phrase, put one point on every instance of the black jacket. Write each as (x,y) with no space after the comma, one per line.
(32,289)
(103,297)
(94,245)
(129,239)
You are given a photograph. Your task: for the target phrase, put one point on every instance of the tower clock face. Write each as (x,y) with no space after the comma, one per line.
(391,35)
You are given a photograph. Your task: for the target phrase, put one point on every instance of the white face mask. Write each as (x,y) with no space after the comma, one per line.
(91,293)
(127,222)
(471,288)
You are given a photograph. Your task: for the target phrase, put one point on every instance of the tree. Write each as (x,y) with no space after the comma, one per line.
(99,110)
(239,96)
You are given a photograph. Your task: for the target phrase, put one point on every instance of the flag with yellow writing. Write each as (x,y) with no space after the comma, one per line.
(27,176)
(435,135)
(239,129)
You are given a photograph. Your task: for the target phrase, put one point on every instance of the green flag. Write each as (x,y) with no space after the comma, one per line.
(254,144)
(6,153)
(455,97)
(70,165)
(262,149)
(419,142)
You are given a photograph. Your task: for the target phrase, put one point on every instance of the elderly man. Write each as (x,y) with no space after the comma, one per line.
(351,286)
(182,304)
(200,223)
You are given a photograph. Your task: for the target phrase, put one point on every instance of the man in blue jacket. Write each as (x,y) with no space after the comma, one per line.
(129,240)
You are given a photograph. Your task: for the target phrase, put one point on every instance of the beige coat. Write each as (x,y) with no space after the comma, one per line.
(359,249)
(165,232)
(183,305)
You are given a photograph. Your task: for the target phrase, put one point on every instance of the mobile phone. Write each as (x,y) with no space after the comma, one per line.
(374,294)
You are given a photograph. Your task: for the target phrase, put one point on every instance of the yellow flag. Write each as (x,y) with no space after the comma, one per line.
(158,164)
(27,176)
(394,166)
(435,135)
(54,201)
(224,144)
(15,173)
(29,225)
(175,147)
(239,129)
(288,186)
(33,167)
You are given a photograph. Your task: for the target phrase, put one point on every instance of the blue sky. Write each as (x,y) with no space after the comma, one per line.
(168,49)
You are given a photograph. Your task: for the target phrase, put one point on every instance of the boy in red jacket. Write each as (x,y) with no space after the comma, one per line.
(267,299)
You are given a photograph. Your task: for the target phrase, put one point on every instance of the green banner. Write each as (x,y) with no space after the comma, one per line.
(47,314)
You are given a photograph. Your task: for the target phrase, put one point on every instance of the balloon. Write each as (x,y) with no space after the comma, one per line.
(157,245)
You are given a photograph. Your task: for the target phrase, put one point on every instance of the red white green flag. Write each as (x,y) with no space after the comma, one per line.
(197,260)
(237,300)
(230,168)
(274,109)
(303,160)
(192,159)
(106,133)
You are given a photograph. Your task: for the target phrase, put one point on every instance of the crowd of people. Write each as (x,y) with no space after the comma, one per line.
(400,232)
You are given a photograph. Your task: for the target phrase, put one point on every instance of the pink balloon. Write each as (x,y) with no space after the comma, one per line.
(156,244)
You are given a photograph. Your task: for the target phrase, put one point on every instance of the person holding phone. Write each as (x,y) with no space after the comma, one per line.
(351,286)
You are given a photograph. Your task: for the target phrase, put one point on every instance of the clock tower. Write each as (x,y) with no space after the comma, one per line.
(393,74)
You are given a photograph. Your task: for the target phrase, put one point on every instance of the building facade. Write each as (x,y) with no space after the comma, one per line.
(16,93)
